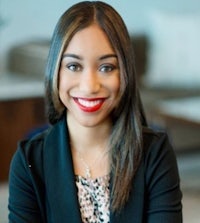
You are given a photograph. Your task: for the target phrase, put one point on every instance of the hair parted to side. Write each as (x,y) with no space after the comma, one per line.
(126,138)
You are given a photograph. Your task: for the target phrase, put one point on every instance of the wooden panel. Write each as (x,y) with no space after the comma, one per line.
(17,119)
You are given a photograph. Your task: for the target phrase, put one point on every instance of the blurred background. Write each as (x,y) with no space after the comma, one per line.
(165,37)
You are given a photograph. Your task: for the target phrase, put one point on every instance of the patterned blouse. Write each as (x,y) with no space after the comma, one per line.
(93,195)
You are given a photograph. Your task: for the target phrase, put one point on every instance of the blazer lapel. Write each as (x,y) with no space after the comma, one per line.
(61,191)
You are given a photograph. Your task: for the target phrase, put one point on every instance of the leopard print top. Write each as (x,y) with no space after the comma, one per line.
(93,195)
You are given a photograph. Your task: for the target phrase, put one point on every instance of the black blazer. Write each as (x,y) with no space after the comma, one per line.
(42,185)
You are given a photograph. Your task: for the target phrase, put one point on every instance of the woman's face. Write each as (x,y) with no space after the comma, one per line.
(89,78)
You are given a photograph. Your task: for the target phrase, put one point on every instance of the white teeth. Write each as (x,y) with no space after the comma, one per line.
(88,104)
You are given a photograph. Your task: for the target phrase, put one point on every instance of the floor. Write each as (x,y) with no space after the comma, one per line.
(189,167)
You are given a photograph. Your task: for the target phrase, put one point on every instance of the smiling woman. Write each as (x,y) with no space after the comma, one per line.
(98,161)
(89,77)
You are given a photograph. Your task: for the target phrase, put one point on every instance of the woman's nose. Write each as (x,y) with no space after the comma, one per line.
(89,82)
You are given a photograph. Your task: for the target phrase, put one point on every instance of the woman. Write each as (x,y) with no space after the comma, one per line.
(98,162)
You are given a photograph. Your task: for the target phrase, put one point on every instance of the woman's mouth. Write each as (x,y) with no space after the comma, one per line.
(89,105)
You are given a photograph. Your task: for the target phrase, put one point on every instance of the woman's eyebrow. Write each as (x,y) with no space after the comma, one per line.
(80,58)
(72,56)
(107,56)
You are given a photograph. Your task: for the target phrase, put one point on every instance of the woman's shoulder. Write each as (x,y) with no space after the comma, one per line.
(27,157)
(154,136)
(33,142)
(30,150)
(43,143)
(156,143)
(36,142)
(158,150)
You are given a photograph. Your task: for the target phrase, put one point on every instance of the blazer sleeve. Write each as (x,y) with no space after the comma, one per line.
(23,203)
(163,195)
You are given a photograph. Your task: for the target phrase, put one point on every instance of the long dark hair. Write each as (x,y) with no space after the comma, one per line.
(126,137)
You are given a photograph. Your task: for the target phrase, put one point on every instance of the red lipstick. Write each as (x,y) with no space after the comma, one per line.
(89,105)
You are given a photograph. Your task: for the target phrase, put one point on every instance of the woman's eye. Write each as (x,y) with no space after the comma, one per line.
(74,67)
(107,68)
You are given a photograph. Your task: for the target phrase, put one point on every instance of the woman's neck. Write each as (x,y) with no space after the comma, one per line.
(86,139)
(90,149)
